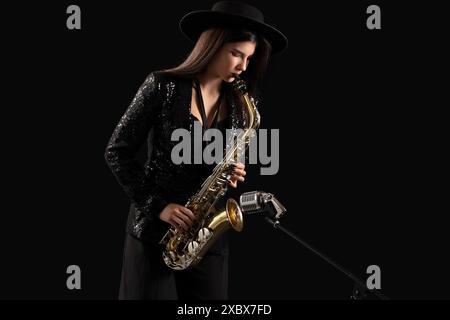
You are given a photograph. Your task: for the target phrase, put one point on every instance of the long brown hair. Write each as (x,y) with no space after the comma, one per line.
(210,42)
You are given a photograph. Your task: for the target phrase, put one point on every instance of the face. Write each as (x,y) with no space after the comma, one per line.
(232,59)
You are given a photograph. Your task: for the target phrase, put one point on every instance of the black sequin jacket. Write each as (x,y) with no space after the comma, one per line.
(161,105)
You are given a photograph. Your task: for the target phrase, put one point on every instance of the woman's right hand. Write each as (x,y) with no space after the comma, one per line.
(177,216)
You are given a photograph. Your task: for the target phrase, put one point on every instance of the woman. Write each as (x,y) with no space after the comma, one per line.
(227,38)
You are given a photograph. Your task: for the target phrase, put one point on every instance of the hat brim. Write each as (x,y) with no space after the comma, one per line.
(194,23)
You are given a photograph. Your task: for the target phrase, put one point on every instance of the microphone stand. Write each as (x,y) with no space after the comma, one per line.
(360,290)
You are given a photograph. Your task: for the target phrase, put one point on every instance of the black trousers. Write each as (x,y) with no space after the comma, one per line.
(145,275)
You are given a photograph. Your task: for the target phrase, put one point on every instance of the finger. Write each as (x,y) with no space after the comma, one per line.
(184,217)
(239,165)
(187,212)
(232,183)
(240,172)
(180,223)
(237,178)
(173,224)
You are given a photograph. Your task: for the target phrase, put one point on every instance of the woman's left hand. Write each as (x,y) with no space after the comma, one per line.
(237,174)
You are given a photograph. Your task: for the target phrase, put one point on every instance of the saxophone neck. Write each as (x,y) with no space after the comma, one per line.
(254,117)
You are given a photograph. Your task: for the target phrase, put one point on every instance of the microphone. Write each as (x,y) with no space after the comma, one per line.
(260,201)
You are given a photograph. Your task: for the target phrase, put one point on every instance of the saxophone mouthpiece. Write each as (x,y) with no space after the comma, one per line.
(240,85)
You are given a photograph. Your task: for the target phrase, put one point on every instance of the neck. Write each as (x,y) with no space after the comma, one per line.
(210,84)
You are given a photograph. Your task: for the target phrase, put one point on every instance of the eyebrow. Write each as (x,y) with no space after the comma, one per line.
(242,52)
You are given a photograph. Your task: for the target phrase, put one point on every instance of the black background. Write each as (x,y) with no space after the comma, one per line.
(362,146)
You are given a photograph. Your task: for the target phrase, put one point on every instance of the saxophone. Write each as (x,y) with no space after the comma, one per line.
(185,248)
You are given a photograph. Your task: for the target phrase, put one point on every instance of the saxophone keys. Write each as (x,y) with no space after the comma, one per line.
(172,256)
(192,247)
(228,178)
(204,234)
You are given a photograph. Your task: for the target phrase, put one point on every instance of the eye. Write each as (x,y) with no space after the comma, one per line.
(235,54)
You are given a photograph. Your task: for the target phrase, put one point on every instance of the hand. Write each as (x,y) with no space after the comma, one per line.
(237,174)
(177,216)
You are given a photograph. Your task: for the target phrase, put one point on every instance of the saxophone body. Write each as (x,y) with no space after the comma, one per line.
(185,248)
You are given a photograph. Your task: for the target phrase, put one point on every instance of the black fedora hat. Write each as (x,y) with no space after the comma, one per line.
(230,13)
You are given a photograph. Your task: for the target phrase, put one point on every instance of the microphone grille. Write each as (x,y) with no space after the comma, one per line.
(249,201)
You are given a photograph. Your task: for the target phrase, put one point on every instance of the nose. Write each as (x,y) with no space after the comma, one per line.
(243,65)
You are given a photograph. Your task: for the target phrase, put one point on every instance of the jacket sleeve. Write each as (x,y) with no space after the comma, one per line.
(128,136)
